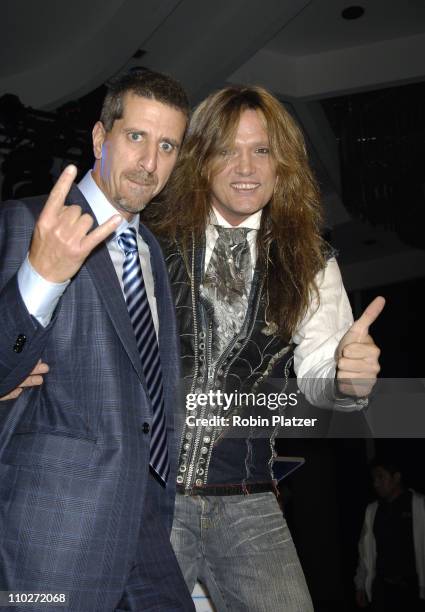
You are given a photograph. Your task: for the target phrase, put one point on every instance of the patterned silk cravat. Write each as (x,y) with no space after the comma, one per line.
(227,283)
(144,330)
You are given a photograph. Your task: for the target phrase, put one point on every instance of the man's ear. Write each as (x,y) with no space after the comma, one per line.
(98,136)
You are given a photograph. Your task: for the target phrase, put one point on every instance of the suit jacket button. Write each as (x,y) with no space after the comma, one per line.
(145,428)
(19,343)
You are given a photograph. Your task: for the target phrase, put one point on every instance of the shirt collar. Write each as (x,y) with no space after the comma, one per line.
(101,207)
(252,222)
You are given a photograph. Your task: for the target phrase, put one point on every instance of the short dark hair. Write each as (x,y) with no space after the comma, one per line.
(144,83)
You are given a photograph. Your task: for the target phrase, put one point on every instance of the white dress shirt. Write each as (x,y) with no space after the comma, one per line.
(41,296)
(321,329)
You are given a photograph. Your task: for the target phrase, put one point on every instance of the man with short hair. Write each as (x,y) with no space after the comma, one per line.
(87,460)
(255,287)
(391,570)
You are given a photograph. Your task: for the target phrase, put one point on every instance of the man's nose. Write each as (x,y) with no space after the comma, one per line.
(245,164)
(149,158)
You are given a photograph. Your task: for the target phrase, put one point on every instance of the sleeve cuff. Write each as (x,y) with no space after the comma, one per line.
(323,392)
(39,295)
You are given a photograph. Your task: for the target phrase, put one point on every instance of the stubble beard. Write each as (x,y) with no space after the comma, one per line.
(131,207)
(137,204)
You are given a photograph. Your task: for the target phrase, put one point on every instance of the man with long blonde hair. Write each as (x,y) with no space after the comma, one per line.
(255,287)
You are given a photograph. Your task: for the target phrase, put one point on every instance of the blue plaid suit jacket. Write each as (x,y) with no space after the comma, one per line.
(75,490)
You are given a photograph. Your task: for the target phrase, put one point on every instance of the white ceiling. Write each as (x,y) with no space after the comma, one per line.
(32,33)
(51,51)
(54,51)
(320,26)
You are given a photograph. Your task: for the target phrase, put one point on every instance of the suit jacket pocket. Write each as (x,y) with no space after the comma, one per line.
(54,450)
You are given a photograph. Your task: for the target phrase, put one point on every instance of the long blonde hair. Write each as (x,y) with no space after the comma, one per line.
(289,244)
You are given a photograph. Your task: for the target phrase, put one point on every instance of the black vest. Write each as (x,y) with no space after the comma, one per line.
(234,450)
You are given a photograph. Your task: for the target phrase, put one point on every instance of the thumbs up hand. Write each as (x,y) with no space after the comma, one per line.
(357,354)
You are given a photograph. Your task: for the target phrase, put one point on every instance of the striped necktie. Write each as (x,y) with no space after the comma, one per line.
(144,330)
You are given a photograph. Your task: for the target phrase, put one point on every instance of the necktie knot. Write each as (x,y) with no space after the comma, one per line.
(127,241)
(232,243)
(232,236)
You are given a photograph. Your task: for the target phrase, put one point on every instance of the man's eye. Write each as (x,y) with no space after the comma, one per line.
(135,136)
(167,147)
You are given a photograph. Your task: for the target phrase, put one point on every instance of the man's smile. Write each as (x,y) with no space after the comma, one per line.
(244,187)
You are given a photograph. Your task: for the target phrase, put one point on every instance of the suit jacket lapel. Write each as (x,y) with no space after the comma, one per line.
(102,272)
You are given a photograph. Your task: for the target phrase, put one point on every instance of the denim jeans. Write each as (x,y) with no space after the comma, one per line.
(240,548)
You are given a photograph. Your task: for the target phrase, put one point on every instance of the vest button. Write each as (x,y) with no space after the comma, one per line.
(146,428)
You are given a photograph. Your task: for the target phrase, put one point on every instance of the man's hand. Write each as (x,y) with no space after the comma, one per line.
(33,380)
(357,354)
(61,242)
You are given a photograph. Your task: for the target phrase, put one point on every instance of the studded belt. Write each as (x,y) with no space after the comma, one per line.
(237,489)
